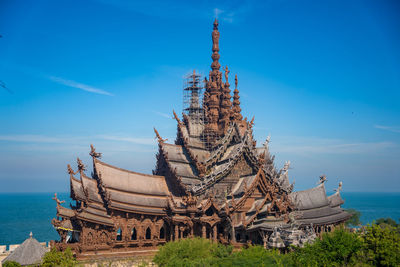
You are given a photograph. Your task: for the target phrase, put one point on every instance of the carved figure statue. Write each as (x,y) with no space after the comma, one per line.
(226,74)
(215,36)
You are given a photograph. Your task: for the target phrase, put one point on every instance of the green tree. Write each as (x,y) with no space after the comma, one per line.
(338,248)
(11,264)
(192,252)
(58,258)
(256,256)
(354,219)
(386,222)
(381,246)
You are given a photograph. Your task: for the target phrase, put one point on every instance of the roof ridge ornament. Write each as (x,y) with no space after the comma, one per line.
(176,117)
(322,179)
(93,152)
(59,202)
(339,187)
(160,139)
(81,166)
(70,170)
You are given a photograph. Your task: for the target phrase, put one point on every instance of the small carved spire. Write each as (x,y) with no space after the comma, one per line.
(236,110)
(93,152)
(236,81)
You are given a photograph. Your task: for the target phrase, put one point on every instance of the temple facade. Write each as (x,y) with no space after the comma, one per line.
(212,182)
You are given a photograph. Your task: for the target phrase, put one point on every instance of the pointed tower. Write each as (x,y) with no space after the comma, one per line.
(214,83)
(236,110)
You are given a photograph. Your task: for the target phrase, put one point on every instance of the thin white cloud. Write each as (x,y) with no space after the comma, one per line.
(29,138)
(223,15)
(307,146)
(217,11)
(392,129)
(165,115)
(78,85)
(140,141)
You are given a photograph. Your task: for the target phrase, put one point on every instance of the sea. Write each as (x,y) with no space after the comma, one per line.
(22,213)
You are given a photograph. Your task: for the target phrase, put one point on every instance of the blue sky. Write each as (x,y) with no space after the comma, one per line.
(322,77)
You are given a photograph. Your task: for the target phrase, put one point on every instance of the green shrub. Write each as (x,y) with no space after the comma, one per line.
(11,264)
(192,252)
(381,246)
(256,256)
(338,248)
(58,258)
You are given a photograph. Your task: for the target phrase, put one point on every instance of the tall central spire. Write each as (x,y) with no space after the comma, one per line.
(214,83)
(215,48)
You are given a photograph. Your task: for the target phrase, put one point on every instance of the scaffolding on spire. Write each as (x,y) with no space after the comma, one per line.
(193,93)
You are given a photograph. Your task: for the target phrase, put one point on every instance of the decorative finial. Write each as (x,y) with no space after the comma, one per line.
(215,24)
(236,81)
(93,152)
(286,166)
(176,117)
(252,122)
(30,235)
(70,170)
(339,188)
(57,200)
(322,179)
(81,166)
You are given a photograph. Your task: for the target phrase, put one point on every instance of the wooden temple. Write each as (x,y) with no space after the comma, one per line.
(212,182)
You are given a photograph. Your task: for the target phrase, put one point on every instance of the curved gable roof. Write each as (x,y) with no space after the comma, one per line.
(310,198)
(128,181)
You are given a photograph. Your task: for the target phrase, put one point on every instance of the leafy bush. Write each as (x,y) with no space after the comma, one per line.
(58,258)
(386,221)
(11,264)
(256,256)
(192,252)
(381,246)
(338,248)
(373,246)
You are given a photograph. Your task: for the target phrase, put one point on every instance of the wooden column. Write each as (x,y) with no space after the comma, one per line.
(176,232)
(203,231)
(233,234)
(215,233)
